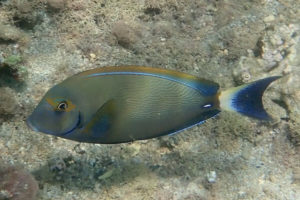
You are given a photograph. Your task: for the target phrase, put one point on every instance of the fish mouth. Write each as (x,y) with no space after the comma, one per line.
(62,134)
(72,129)
(30,125)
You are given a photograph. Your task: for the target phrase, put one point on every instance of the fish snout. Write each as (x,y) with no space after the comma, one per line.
(30,125)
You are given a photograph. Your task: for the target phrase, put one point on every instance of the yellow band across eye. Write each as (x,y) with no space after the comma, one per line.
(56,102)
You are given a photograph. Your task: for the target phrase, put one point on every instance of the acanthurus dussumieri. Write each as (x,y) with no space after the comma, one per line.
(123,104)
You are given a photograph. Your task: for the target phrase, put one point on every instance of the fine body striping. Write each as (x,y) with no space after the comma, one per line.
(122,104)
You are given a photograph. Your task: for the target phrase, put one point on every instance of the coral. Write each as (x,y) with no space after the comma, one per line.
(17,184)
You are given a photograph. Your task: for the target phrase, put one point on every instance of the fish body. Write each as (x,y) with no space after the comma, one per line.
(123,104)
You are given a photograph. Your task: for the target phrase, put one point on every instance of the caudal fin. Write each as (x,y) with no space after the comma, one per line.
(247,99)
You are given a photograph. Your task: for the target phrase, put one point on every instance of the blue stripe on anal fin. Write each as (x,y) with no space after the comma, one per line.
(247,99)
(197,121)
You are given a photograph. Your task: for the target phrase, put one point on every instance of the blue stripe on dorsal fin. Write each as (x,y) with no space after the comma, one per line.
(205,87)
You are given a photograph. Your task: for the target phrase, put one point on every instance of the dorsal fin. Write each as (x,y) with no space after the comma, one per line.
(205,87)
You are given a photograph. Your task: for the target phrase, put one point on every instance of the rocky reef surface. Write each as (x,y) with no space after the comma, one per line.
(230,42)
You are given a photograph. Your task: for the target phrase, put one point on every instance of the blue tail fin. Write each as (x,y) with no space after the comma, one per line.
(247,99)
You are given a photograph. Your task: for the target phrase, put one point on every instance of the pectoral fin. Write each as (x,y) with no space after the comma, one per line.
(102,120)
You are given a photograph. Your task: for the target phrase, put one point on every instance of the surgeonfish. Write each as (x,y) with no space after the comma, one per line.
(121,104)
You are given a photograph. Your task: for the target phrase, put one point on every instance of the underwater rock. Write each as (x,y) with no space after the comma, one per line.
(17,184)
(57,165)
(126,35)
(7,100)
(23,6)
(163,29)
(243,72)
(26,16)
(211,177)
(296,175)
(12,73)
(11,34)
(152,11)
(169,142)
(294,132)
(56,5)
(8,103)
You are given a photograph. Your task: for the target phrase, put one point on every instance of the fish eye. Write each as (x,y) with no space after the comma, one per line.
(62,106)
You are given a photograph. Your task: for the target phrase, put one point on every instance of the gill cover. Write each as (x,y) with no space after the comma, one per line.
(55,116)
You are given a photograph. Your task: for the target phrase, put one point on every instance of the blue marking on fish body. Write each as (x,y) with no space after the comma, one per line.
(101,127)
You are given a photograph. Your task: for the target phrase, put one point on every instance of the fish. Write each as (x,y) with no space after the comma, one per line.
(119,104)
